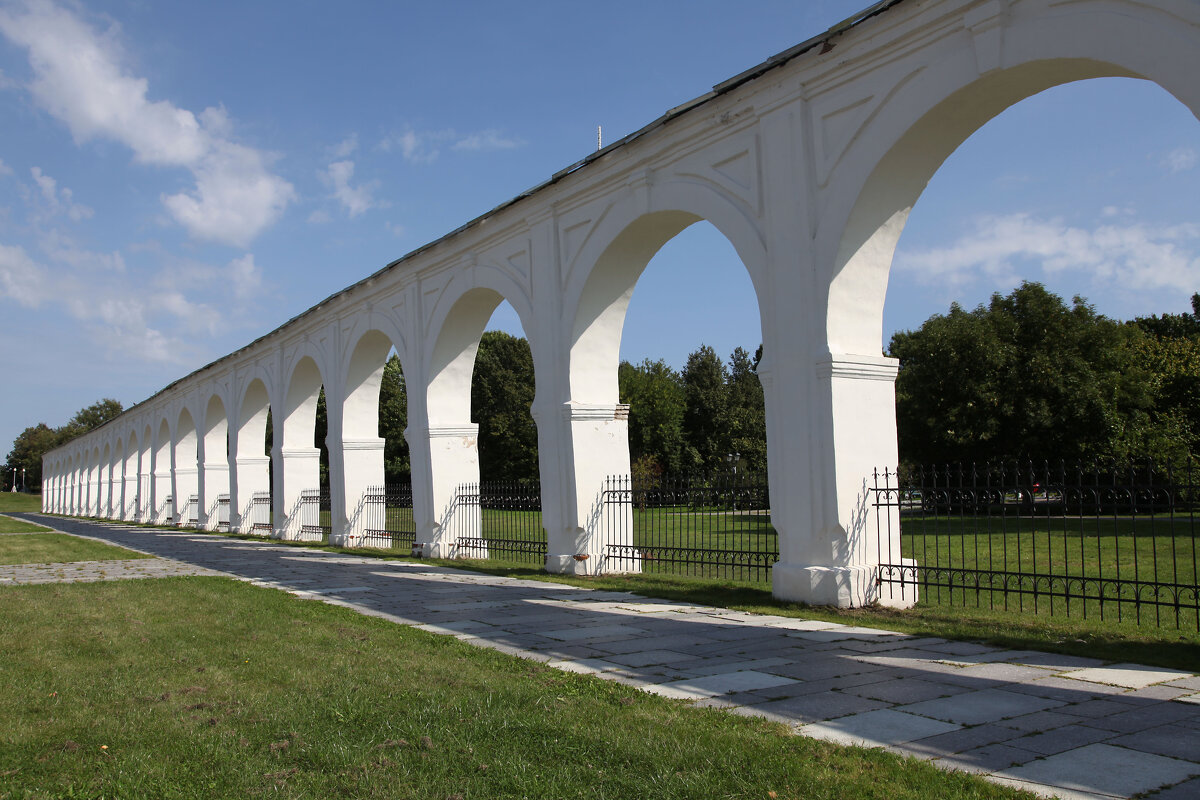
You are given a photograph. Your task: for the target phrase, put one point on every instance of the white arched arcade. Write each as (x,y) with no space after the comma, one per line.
(808,165)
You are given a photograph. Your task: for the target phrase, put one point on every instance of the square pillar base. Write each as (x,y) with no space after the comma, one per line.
(842,587)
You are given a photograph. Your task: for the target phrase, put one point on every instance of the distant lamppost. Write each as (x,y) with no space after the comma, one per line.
(732,460)
(14,485)
(24,486)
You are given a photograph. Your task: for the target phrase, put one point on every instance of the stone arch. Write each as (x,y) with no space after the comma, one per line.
(93,467)
(163,499)
(361,457)
(361,377)
(615,257)
(184,453)
(298,419)
(132,469)
(214,471)
(883,173)
(456,326)
(109,491)
(252,459)
(298,465)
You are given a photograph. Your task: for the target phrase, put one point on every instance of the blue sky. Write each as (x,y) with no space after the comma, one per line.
(177,179)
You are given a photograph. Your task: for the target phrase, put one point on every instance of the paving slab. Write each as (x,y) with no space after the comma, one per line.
(1131,676)
(987,705)
(1105,769)
(880,728)
(725,683)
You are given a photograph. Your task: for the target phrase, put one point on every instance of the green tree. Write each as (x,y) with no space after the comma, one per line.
(1026,377)
(747,415)
(27,451)
(393,419)
(92,417)
(1172,326)
(1172,367)
(656,399)
(502,391)
(706,398)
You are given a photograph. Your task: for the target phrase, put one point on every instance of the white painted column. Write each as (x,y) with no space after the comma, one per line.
(186,483)
(162,511)
(214,481)
(251,476)
(129,504)
(444,458)
(296,469)
(831,419)
(360,466)
(594,440)
(823,507)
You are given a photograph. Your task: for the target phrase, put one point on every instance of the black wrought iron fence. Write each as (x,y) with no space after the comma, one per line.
(499,520)
(314,514)
(1113,542)
(716,527)
(260,514)
(163,513)
(388,517)
(222,512)
(190,517)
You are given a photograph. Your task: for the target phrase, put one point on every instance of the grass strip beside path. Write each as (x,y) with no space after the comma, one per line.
(19,501)
(206,687)
(58,548)
(10,525)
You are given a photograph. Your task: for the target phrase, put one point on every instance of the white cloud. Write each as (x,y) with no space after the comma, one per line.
(346,147)
(21,279)
(1180,159)
(62,249)
(235,198)
(165,316)
(244,276)
(319,217)
(486,140)
(5,169)
(1131,255)
(424,147)
(78,77)
(59,200)
(355,199)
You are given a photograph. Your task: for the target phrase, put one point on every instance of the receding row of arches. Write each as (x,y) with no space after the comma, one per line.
(810,180)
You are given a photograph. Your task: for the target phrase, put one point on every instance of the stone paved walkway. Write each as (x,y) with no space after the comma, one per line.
(1057,725)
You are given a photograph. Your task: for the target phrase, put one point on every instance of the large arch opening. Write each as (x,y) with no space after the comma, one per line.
(251,491)
(214,484)
(377,483)
(163,499)
(668,324)
(146,502)
(923,132)
(129,508)
(185,467)
(104,508)
(301,497)
(93,503)
(483,440)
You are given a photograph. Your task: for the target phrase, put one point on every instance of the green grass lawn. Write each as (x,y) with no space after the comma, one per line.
(10,525)
(58,548)
(205,687)
(19,501)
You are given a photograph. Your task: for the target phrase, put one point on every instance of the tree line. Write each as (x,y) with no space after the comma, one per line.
(1027,376)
